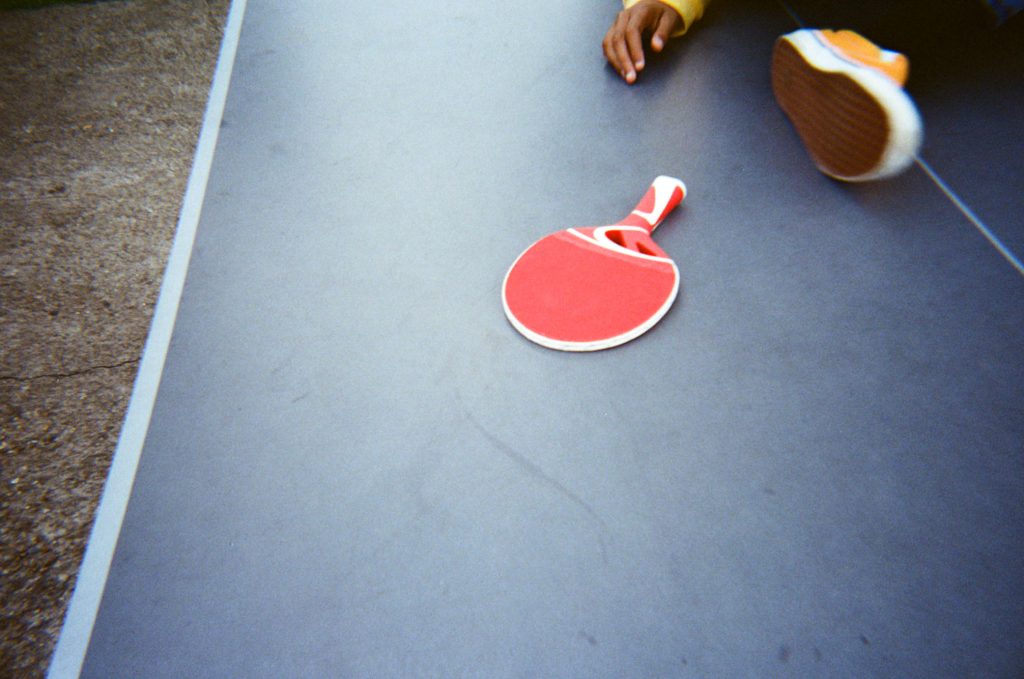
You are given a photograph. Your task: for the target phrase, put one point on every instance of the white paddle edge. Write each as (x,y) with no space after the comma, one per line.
(608,342)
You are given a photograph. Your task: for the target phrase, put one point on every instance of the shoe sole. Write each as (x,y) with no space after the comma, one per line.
(856,123)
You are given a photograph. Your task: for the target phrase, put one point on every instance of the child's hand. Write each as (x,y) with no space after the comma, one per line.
(623,44)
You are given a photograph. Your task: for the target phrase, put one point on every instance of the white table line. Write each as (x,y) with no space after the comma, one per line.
(971,217)
(76,632)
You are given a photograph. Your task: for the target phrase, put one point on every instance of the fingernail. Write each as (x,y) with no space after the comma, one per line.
(657,42)
(640,65)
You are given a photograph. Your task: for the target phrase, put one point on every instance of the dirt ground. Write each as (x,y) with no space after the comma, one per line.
(100,109)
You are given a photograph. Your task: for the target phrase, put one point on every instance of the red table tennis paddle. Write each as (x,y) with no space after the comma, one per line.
(590,288)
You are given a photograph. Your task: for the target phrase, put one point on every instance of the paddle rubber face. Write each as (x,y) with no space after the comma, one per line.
(584,289)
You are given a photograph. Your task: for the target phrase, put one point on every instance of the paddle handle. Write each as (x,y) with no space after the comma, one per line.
(661,198)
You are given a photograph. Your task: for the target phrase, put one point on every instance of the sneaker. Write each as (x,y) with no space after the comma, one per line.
(844,95)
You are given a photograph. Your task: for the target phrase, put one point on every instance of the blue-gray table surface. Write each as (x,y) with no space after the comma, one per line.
(812,466)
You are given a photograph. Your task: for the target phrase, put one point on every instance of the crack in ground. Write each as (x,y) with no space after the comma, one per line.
(71,373)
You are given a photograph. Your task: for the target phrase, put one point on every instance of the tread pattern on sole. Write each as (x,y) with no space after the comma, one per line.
(846,131)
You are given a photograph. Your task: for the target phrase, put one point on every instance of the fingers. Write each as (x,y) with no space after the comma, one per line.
(617,48)
(635,39)
(666,26)
(623,44)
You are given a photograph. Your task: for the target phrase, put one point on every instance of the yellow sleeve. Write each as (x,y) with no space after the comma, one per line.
(689,10)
